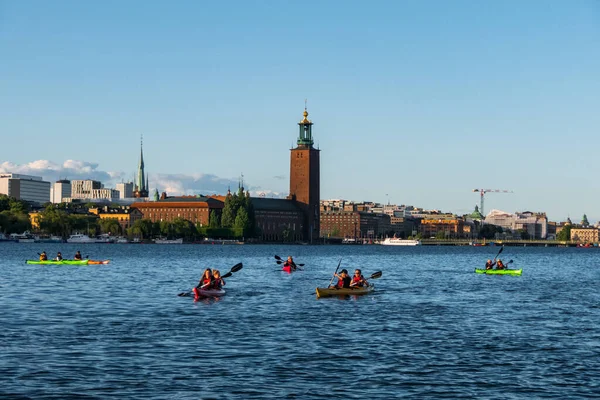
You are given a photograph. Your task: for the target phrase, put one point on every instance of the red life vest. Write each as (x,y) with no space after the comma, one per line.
(358,279)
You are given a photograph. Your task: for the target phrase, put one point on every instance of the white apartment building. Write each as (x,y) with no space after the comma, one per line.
(60,190)
(82,189)
(25,187)
(125,190)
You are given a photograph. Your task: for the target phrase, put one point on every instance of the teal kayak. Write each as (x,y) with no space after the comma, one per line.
(499,271)
(63,262)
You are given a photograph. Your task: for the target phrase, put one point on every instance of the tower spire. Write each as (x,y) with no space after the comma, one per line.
(141,182)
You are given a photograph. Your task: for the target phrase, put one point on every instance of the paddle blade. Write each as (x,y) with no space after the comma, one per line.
(277,258)
(279,262)
(376,275)
(237,267)
(300,265)
(182,294)
(227,275)
(510,262)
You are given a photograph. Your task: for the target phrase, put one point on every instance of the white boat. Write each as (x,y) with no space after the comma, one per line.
(25,237)
(105,238)
(49,239)
(400,242)
(121,239)
(168,241)
(80,238)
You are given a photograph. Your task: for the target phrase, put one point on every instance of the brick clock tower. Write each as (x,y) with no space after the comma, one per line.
(304,179)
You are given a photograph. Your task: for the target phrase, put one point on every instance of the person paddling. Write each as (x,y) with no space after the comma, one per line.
(218,282)
(77,256)
(343,279)
(290,263)
(358,280)
(43,256)
(490,264)
(58,257)
(205,282)
(500,264)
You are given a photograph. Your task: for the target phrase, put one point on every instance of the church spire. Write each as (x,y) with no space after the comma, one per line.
(142,180)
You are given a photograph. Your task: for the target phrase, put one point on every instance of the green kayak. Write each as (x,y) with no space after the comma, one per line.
(63,262)
(499,271)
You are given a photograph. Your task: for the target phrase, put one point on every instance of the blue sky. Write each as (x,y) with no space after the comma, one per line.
(415,102)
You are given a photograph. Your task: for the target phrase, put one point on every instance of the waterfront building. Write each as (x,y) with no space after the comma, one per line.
(534,224)
(195,209)
(125,190)
(60,190)
(584,235)
(355,224)
(450,225)
(141,184)
(278,220)
(25,187)
(125,216)
(305,178)
(82,188)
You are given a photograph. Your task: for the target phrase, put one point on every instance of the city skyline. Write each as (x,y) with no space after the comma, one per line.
(415,105)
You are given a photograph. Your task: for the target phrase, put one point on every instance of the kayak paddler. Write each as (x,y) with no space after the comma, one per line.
(218,282)
(58,256)
(490,264)
(205,282)
(343,279)
(500,264)
(77,256)
(358,280)
(43,256)
(290,263)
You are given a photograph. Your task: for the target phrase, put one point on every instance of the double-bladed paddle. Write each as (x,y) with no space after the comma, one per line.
(502,248)
(280,261)
(336,270)
(374,275)
(235,268)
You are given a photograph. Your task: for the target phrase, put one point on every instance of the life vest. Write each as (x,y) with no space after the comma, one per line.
(43,257)
(344,282)
(358,280)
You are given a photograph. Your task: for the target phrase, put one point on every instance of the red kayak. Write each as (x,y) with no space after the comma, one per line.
(287,268)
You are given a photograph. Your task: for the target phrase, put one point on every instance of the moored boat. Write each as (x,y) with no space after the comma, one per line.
(54,262)
(499,271)
(400,242)
(80,238)
(335,291)
(169,241)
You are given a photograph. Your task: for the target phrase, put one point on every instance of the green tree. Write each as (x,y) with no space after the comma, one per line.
(55,221)
(214,221)
(488,231)
(565,234)
(440,235)
(109,225)
(14,222)
(241,220)
(229,212)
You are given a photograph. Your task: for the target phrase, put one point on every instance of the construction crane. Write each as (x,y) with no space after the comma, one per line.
(484,191)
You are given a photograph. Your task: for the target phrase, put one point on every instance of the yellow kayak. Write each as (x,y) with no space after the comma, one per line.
(326,292)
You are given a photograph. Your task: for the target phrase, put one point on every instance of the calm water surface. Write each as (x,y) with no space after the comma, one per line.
(432,329)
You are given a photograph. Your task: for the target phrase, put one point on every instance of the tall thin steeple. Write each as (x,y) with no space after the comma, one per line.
(141,183)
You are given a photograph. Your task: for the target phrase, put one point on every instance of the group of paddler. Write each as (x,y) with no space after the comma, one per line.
(59,257)
(489,265)
(211,283)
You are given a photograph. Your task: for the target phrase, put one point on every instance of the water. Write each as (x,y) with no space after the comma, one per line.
(432,328)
